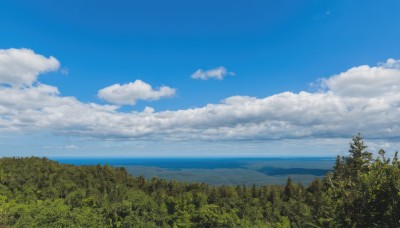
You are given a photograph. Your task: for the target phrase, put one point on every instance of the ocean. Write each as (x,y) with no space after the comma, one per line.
(218,171)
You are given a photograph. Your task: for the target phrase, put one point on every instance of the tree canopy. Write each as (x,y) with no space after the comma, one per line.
(38,192)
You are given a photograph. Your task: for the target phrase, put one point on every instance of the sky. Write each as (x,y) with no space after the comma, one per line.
(198,78)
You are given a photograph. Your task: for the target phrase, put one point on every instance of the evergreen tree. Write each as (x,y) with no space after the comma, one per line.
(289,189)
(359,159)
(339,168)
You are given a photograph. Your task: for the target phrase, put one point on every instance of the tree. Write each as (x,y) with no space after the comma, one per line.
(359,159)
(289,189)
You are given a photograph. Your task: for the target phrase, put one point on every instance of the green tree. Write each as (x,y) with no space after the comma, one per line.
(359,159)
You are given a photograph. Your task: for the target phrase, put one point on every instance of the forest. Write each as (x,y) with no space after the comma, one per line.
(361,191)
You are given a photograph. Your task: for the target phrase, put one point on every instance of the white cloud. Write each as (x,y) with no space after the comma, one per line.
(129,94)
(366,81)
(148,110)
(71,147)
(363,99)
(217,73)
(20,67)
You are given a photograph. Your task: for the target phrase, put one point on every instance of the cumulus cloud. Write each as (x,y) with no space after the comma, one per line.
(366,81)
(129,94)
(20,67)
(217,73)
(362,99)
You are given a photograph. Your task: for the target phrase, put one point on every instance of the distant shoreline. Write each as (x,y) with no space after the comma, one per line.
(217,170)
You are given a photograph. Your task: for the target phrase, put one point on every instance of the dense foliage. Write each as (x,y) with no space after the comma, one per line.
(37,192)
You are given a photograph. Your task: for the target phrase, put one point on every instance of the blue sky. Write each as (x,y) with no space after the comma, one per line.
(261,53)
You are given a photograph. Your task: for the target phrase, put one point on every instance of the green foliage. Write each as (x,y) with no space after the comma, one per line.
(37,192)
(362,192)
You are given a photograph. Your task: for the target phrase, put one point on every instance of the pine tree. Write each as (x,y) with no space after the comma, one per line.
(339,168)
(359,159)
(288,191)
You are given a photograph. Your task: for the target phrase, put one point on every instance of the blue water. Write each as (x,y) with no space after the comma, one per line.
(267,165)
(168,163)
(218,171)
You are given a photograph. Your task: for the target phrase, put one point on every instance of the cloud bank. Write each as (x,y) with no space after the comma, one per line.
(362,99)
(218,73)
(129,94)
(20,67)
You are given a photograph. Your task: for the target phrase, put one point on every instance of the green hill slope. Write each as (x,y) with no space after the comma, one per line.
(37,192)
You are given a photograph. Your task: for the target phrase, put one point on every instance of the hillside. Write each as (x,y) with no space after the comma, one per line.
(37,192)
